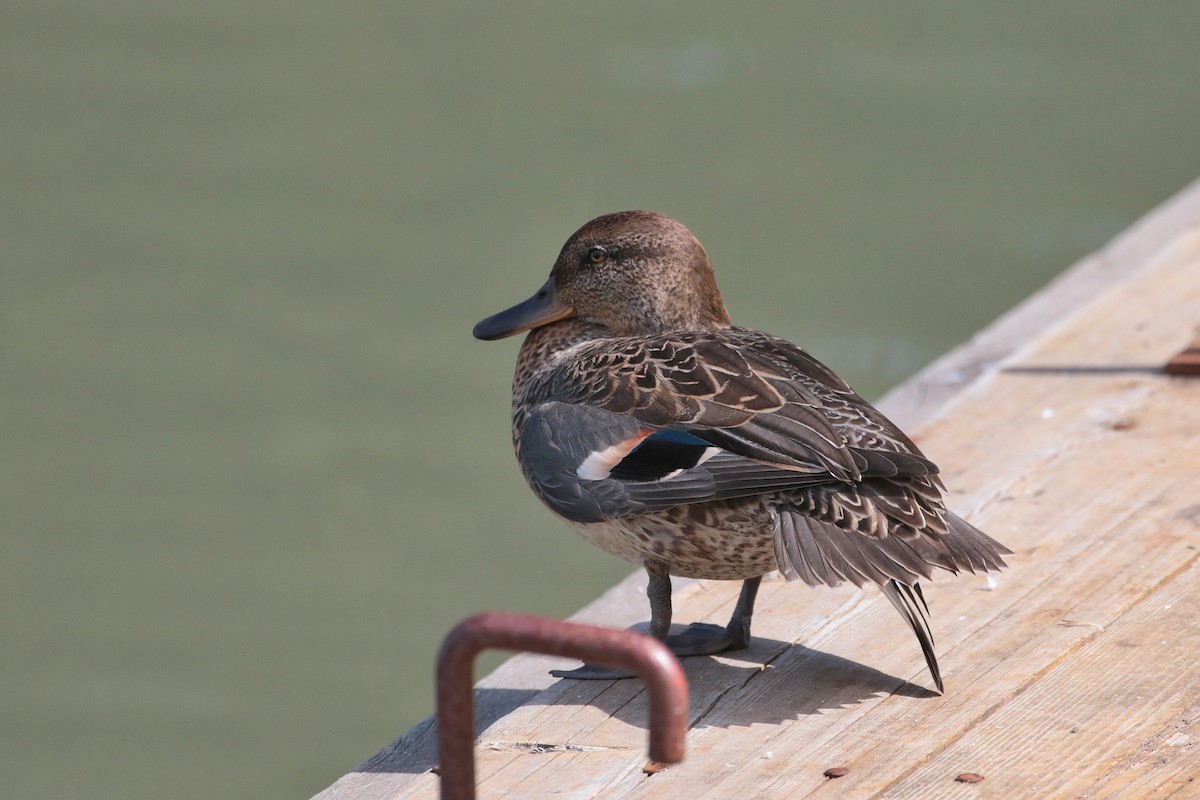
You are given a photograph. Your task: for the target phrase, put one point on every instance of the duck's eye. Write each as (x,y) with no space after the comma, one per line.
(597,255)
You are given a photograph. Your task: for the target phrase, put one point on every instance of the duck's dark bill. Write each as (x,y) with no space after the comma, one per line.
(541,309)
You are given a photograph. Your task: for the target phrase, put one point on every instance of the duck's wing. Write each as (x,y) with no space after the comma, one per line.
(627,426)
(589,465)
(819,552)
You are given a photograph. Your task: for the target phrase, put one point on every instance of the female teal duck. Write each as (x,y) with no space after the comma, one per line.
(669,437)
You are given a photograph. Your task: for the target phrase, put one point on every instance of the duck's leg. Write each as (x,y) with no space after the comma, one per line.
(704,639)
(658,591)
(699,639)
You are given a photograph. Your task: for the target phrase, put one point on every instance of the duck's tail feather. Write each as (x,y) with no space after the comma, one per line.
(910,602)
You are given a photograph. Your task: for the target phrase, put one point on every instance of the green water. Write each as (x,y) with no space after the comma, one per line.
(252,465)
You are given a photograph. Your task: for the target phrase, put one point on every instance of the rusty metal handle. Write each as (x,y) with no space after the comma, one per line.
(646,657)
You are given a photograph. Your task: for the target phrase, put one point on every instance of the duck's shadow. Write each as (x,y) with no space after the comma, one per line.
(771,682)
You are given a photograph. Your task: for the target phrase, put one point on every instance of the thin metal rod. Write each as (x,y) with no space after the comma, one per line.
(642,655)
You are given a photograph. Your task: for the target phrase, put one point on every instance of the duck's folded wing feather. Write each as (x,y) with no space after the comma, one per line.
(589,465)
(744,392)
(819,552)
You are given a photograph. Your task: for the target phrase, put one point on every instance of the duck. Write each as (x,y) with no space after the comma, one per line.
(667,436)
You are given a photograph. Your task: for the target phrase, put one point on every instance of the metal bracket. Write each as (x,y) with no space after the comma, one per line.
(646,657)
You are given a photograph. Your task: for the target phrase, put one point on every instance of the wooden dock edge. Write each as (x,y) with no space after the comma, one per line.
(915,403)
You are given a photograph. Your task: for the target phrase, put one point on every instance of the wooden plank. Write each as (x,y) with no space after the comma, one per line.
(995,662)
(1086,720)
(1073,450)
(1041,627)
(1026,487)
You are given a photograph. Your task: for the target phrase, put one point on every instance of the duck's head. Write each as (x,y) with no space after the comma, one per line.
(633,272)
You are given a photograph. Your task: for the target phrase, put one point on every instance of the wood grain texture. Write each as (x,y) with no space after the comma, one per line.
(1073,674)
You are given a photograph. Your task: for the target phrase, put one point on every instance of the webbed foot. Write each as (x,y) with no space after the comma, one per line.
(698,639)
(704,639)
(592,672)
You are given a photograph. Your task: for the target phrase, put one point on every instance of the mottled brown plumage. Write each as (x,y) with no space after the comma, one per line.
(667,436)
